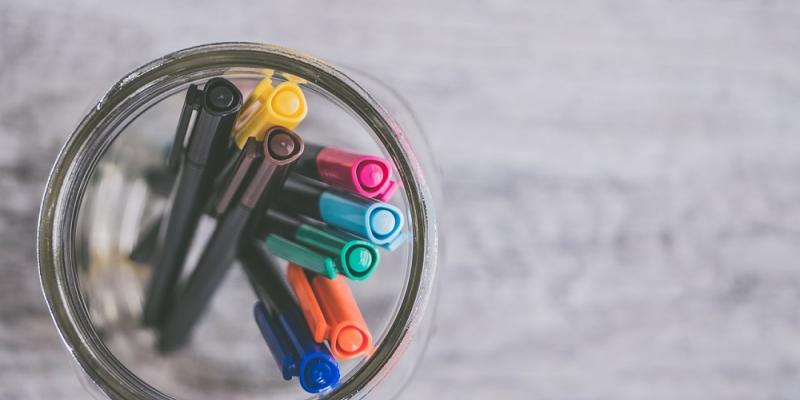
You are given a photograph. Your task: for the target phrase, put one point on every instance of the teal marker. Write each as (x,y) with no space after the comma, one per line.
(320,249)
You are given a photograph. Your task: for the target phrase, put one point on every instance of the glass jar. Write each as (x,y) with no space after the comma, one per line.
(106,186)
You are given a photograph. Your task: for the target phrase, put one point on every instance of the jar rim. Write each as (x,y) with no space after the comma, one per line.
(66,185)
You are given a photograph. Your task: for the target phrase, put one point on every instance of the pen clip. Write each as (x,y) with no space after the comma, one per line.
(191,104)
(244,163)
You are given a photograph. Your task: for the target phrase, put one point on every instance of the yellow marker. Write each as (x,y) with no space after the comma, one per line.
(283,105)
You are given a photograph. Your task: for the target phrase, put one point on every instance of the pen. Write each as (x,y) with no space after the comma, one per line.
(160,181)
(260,171)
(331,313)
(366,175)
(145,246)
(348,255)
(197,164)
(281,324)
(379,223)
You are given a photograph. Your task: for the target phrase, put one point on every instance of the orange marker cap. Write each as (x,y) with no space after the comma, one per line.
(331,313)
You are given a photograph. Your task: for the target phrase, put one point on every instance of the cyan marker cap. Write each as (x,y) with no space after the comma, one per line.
(379,223)
(296,353)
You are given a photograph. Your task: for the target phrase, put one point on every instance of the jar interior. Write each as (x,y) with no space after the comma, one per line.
(129,189)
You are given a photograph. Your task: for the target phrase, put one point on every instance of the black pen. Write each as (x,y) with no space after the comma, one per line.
(197,165)
(259,173)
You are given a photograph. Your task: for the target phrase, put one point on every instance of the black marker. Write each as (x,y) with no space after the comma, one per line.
(260,172)
(197,165)
(144,248)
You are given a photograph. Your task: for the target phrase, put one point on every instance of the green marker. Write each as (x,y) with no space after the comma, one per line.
(318,249)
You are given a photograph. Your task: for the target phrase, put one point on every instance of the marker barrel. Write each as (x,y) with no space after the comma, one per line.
(188,306)
(145,246)
(331,313)
(366,175)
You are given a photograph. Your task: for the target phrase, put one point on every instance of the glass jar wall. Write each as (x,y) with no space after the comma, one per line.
(112,181)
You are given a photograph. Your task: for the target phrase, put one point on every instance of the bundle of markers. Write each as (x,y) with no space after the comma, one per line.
(322,209)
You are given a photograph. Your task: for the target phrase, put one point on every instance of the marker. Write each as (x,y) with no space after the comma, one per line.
(340,252)
(281,324)
(160,181)
(331,313)
(259,173)
(267,106)
(145,246)
(216,106)
(366,175)
(379,223)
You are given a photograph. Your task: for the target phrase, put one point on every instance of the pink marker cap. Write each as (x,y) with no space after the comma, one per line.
(368,176)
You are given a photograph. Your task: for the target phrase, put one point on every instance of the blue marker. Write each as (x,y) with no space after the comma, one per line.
(377,222)
(283,327)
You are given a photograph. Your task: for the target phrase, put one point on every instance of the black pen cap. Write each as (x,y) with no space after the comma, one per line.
(211,135)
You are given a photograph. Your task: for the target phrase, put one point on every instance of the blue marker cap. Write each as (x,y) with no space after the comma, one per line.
(295,351)
(378,222)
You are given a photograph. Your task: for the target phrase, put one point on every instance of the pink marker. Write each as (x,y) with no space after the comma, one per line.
(369,176)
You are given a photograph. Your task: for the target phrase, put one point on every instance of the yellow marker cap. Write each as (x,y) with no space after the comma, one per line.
(283,105)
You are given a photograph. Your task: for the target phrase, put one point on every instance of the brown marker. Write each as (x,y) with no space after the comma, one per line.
(253,188)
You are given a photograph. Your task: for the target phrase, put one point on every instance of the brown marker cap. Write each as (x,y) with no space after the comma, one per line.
(280,145)
(282,148)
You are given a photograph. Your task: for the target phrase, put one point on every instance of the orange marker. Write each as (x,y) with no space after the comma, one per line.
(331,313)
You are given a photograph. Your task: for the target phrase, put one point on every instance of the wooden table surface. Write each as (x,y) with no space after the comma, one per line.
(622,179)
